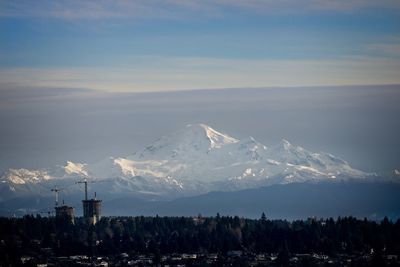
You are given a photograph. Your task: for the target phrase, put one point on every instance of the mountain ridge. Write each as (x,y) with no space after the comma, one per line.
(195,160)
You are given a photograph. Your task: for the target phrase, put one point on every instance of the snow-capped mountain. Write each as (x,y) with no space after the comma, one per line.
(24,176)
(194,160)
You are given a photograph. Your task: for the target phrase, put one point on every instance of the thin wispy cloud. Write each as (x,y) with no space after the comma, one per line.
(102,9)
(164,74)
(301,6)
(173,9)
(385,47)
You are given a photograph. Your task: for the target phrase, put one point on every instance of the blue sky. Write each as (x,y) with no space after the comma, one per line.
(141,46)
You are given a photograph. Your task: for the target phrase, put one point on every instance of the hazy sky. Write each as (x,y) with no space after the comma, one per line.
(42,128)
(154,45)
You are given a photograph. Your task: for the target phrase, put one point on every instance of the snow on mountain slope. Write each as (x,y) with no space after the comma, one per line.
(324,163)
(189,156)
(192,141)
(76,168)
(196,159)
(24,176)
(199,159)
(18,182)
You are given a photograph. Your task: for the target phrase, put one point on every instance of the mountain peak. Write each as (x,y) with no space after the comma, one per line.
(75,168)
(215,138)
(286,144)
(192,140)
(198,125)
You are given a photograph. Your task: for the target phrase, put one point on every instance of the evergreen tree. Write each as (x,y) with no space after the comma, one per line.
(263,217)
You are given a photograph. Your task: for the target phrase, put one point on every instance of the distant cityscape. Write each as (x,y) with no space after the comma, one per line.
(197,241)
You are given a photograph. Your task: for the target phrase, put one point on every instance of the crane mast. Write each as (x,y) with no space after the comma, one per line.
(56,190)
(84,182)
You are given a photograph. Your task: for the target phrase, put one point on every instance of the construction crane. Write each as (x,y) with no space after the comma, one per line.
(56,191)
(91,207)
(84,181)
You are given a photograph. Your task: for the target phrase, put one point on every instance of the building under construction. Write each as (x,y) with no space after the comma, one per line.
(64,211)
(92,210)
(91,207)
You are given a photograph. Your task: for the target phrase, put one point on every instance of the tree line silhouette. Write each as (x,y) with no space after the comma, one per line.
(219,234)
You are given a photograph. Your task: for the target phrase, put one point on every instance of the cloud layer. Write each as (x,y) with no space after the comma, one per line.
(165,74)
